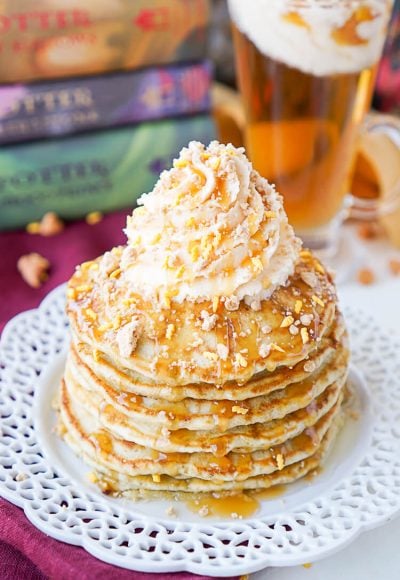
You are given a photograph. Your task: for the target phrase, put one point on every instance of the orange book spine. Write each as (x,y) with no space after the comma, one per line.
(45,39)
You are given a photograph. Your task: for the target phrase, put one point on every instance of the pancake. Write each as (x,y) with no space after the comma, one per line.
(151,415)
(146,486)
(108,452)
(208,354)
(184,356)
(261,383)
(243,439)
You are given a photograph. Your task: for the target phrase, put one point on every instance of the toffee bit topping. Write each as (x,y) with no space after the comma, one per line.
(180,163)
(257,264)
(239,410)
(287,321)
(71,293)
(240,360)
(84,288)
(89,313)
(117,322)
(194,253)
(156,239)
(156,477)
(318,300)
(298,306)
(280,462)
(170,331)
(97,355)
(212,356)
(319,268)
(215,303)
(215,163)
(209,320)
(276,347)
(130,302)
(304,335)
(108,263)
(116,273)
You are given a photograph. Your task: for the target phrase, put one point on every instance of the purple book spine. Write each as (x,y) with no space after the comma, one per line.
(70,106)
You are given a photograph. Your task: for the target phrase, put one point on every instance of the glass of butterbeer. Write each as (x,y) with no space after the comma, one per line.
(306,71)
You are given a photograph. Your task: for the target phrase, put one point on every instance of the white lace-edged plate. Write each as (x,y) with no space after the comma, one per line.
(358,488)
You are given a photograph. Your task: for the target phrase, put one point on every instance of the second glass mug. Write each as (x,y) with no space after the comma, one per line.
(306,71)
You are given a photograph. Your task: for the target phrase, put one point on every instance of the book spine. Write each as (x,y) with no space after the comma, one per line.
(72,105)
(387,88)
(47,40)
(105,170)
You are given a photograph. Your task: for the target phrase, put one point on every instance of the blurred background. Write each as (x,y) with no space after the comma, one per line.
(96,99)
(100,97)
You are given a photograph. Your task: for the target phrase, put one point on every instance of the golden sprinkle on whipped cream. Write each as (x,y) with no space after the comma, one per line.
(211,228)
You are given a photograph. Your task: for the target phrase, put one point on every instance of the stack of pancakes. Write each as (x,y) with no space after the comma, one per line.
(202,396)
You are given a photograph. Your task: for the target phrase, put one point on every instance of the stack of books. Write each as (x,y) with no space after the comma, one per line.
(97,96)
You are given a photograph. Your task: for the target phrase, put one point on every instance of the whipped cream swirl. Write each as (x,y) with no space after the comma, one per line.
(212,227)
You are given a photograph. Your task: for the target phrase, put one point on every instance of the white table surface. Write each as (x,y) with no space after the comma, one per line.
(374,555)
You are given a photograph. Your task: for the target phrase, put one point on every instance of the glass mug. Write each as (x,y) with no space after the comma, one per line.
(306,71)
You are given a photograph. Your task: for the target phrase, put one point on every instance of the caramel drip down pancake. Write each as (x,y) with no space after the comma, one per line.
(215,433)
(208,354)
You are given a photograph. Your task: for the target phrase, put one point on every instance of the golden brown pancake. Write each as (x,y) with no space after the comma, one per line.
(181,413)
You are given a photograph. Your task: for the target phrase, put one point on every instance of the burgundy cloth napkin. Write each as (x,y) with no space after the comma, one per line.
(25,552)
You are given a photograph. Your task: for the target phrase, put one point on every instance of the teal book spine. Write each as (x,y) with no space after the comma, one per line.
(101,171)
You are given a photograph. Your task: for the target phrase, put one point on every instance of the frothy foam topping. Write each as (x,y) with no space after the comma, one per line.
(211,228)
(315,36)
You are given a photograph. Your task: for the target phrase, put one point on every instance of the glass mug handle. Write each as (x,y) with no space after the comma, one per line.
(378,158)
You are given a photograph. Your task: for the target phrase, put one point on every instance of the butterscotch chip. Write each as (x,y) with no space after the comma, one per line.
(394,266)
(94,217)
(33,269)
(33,228)
(280,462)
(365,276)
(239,410)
